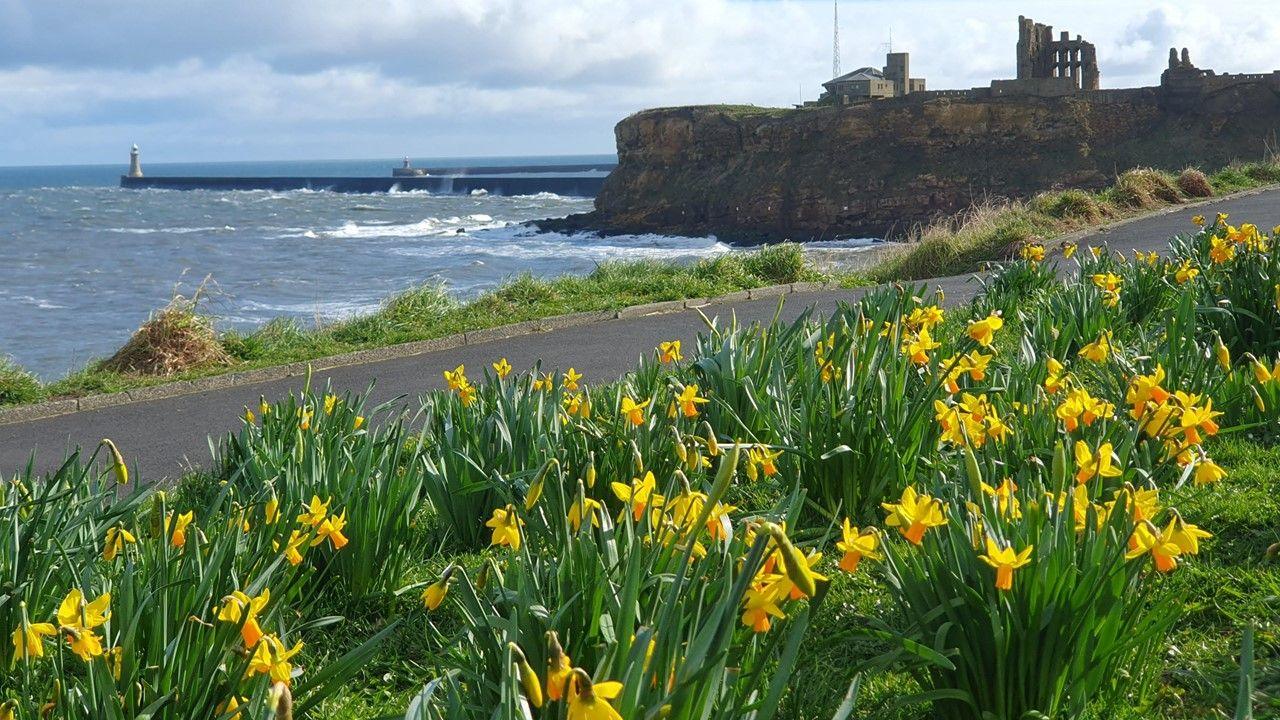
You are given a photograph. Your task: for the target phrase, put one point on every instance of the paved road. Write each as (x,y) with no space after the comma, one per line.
(162,438)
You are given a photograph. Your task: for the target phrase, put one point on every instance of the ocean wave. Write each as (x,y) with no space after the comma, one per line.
(170,230)
(427,227)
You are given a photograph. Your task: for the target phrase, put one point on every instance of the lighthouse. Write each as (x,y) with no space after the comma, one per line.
(135,167)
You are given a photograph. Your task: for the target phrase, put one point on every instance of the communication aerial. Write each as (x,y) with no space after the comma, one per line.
(835,40)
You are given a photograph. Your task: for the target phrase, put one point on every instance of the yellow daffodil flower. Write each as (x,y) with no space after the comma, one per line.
(77,619)
(271,658)
(914,514)
(559,667)
(506,527)
(918,346)
(571,379)
(331,530)
(271,511)
(1220,251)
(1147,539)
(434,594)
(760,458)
(179,536)
(1106,281)
(292,550)
(689,401)
(1006,502)
(588,701)
(760,604)
(1005,561)
(1090,464)
(639,495)
(1197,220)
(502,368)
(1055,379)
(1099,350)
(1185,535)
(529,681)
(118,466)
(1185,273)
(1069,250)
(316,511)
(115,541)
(669,352)
(456,379)
(330,402)
(543,382)
(581,509)
(1208,472)
(856,545)
(633,411)
(359,421)
(28,640)
(984,331)
(240,607)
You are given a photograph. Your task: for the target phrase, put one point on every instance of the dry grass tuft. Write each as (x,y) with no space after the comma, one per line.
(1194,183)
(174,339)
(1144,188)
(1076,206)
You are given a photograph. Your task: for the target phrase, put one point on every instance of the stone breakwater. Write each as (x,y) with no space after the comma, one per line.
(877,169)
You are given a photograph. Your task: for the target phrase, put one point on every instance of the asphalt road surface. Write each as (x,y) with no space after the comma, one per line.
(163,438)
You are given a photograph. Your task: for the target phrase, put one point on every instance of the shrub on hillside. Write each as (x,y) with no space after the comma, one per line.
(1194,183)
(1144,188)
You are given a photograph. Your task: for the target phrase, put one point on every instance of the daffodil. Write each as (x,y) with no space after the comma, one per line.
(1055,376)
(633,411)
(856,545)
(571,379)
(760,605)
(669,352)
(1208,472)
(28,639)
(1195,418)
(272,658)
(913,514)
(77,620)
(689,401)
(590,701)
(1185,535)
(293,548)
(1005,560)
(330,402)
(1099,350)
(456,379)
(1185,273)
(543,382)
(1145,392)
(1197,220)
(316,511)
(118,466)
(577,404)
(331,530)
(1006,501)
(761,458)
(502,368)
(1079,407)
(1147,539)
(506,527)
(639,495)
(434,594)
(984,331)
(582,509)
(1090,464)
(241,609)
(271,511)
(178,538)
(559,667)
(1032,252)
(115,541)
(918,346)
(529,681)
(359,421)
(1220,251)
(1070,249)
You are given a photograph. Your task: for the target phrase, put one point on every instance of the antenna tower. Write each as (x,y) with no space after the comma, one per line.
(835,40)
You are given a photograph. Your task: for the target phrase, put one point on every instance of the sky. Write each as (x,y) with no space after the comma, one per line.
(80,80)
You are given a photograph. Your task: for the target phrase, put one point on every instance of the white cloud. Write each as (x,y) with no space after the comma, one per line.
(453,77)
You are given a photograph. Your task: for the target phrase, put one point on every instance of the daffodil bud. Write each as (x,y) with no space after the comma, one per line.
(1257,399)
(535,488)
(1058,470)
(681,451)
(591,470)
(157,514)
(713,447)
(973,471)
(1221,352)
(637,460)
(117,463)
(793,562)
(529,680)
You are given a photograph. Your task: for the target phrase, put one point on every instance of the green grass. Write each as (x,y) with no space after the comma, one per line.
(991,231)
(428,312)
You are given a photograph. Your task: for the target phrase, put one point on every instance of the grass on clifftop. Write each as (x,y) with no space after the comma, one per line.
(992,231)
(169,341)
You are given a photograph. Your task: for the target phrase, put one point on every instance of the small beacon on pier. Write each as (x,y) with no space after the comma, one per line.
(135,167)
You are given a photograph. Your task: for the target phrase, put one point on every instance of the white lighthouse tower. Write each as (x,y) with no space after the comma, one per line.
(135,167)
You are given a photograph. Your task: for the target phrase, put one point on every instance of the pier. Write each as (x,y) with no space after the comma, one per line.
(579,180)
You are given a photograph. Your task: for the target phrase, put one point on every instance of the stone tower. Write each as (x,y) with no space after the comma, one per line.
(897,69)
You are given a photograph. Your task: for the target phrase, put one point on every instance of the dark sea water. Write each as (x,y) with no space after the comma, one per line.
(83,262)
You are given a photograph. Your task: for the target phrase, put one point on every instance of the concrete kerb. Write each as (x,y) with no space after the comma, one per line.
(54,408)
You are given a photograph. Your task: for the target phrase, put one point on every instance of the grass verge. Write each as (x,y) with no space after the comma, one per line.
(991,231)
(178,344)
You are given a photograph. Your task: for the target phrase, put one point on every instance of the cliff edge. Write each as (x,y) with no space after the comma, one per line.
(876,169)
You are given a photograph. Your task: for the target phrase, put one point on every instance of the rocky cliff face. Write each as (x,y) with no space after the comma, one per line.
(879,168)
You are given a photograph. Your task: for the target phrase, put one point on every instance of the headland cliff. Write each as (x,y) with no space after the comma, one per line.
(875,169)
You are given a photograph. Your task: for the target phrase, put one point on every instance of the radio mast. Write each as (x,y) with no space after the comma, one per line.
(835,40)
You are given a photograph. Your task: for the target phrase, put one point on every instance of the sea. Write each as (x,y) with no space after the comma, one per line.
(83,262)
